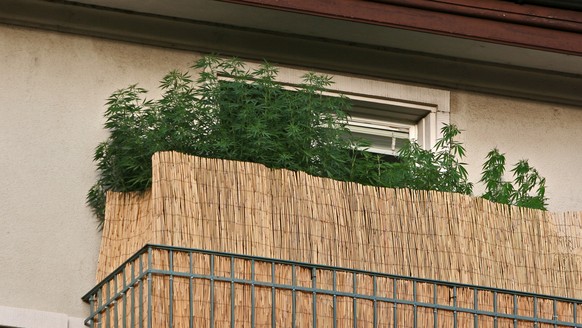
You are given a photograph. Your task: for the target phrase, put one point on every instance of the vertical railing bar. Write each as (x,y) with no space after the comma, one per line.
(92,310)
(435,301)
(132,316)
(124,315)
(515,300)
(495,309)
(92,305)
(395,294)
(574,311)
(252,293)
(141,298)
(334,281)
(108,308)
(375,287)
(455,323)
(535,310)
(555,313)
(314,301)
(100,303)
(273,297)
(414,307)
(232,315)
(171,283)
(212,290)
(355,305)
(191,287)
(293,296)
(116,303)
(476,307)
(150,288)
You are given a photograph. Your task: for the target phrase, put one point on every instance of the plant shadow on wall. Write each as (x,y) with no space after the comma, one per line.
(230,112)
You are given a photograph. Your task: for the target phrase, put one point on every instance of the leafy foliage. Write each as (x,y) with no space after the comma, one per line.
(521,192)
(232,113)
(228,113)
(439,169)
(262,122)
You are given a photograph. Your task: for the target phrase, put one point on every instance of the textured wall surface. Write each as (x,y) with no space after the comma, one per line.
(52,94)
(548,135)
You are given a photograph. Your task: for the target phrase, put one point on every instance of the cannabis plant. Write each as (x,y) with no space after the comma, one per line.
(228,112)
(231,112)
(255,119)
(437,169)
(528,188)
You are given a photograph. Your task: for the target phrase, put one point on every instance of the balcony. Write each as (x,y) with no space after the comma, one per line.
(228,244)
(163,286)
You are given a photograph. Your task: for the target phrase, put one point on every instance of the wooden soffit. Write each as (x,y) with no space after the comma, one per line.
(504,22)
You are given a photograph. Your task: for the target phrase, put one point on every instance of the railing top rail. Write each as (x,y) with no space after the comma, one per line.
(149,247)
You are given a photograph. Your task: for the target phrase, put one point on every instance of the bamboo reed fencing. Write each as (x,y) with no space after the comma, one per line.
(246,208)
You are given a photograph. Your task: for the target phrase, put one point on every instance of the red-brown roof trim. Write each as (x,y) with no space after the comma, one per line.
(529,26)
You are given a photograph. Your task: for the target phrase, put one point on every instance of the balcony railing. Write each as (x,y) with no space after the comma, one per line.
(163,286)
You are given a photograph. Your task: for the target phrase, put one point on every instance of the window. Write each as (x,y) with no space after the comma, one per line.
(386,113)
(386,126)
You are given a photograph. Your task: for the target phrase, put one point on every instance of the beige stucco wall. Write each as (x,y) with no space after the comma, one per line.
(52,92)
(548,135)
(53,88)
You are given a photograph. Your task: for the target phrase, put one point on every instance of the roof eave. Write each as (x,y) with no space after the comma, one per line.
(534,27)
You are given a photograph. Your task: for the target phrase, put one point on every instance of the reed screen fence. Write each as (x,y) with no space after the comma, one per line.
(246,208)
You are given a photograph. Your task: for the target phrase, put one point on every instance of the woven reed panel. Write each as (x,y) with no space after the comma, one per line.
(247,208)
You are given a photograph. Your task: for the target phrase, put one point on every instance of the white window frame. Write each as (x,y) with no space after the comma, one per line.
(435,102)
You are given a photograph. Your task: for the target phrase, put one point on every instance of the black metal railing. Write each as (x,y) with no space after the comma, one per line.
(162,286)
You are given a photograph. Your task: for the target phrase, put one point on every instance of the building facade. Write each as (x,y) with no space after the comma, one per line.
(61,60)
